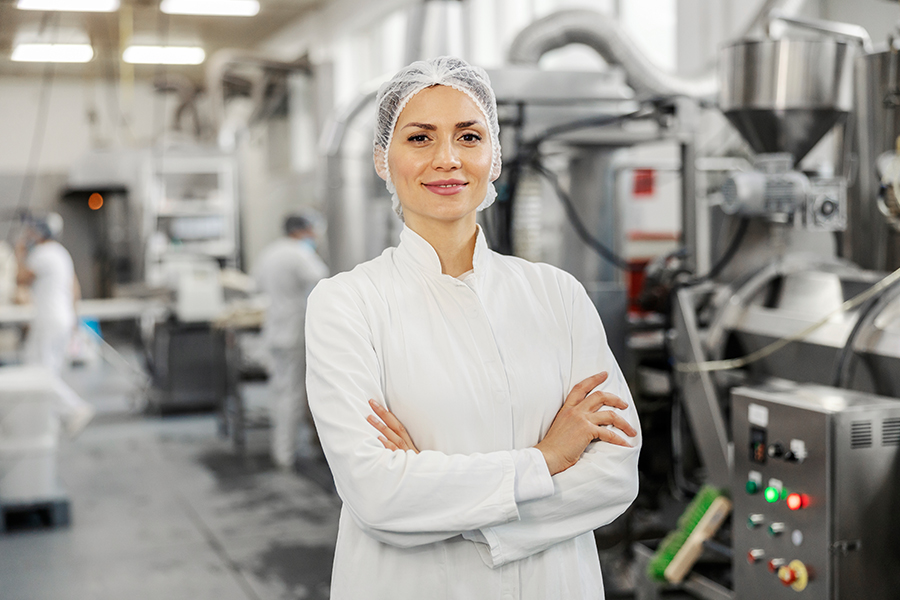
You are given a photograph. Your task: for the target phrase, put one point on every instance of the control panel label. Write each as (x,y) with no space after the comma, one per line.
(758,415)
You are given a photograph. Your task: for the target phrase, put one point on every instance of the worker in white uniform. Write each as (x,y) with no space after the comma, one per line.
(476,422)
(46,267)
(286,271)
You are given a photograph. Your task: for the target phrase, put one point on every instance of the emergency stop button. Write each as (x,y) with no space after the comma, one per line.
(794,574)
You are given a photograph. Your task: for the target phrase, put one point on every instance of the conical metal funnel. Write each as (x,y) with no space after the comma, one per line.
(784,95)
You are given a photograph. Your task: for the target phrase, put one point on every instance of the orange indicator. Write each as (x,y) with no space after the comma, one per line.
(95,202)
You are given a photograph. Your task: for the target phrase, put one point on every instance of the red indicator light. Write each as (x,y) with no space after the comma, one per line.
(797,501)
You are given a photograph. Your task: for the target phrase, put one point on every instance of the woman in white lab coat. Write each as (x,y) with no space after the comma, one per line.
(476,422)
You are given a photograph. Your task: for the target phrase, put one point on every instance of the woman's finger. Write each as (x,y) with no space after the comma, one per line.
(385,430)
(608,436)
(598,399)
(607,417)
(387,443)
(584,387)
(394,424)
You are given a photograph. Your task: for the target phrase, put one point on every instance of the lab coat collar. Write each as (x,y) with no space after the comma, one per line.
(415,249)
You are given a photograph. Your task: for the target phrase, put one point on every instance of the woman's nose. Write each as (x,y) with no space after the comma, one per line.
(446,156)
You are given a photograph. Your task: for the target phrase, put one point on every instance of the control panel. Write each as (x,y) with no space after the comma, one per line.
(805,525)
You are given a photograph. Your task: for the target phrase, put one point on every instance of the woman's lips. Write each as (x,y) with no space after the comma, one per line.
(446,188)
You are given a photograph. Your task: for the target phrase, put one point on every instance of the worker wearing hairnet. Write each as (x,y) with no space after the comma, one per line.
(46,267)
(476,422)
(286,272)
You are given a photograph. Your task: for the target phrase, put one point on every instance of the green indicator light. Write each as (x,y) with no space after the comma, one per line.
(752,487)
(771,494)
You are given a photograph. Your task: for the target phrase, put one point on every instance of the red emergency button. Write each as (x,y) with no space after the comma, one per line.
(795,575)
(755,555)
(797,501)
(787,575)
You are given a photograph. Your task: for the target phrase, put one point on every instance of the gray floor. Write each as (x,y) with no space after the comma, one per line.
(163,508)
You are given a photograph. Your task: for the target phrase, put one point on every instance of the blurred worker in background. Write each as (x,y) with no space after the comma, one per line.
(287,271)
(46,267)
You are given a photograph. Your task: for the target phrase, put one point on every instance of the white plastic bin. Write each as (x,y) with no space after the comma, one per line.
(28,399)
(28,469)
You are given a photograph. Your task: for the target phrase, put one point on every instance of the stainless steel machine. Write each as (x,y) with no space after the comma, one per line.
(815,487)
(806,447)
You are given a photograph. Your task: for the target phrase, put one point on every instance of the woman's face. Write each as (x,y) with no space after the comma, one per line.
(439,157)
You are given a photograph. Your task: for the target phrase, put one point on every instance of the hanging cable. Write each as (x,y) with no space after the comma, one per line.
(527,153)
(605,252)
(726,257)
(38,133)
(842,363)
(737,363)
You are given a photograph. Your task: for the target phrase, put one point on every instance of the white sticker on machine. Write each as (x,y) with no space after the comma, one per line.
(758,415)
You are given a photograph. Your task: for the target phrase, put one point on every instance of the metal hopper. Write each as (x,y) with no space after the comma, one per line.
(784,95)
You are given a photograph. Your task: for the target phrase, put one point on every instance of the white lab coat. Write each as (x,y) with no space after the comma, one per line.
(54,305)
(286,272)
(474,369)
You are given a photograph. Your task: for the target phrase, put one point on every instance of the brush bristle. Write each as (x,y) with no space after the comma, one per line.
(673,542)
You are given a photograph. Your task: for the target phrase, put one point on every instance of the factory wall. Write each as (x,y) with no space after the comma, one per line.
(354,45)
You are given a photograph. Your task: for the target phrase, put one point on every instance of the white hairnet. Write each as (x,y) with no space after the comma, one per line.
(445,70)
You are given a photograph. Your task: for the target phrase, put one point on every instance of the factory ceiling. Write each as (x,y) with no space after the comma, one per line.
(142,22)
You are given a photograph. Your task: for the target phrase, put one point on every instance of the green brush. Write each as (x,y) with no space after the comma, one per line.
(679,550)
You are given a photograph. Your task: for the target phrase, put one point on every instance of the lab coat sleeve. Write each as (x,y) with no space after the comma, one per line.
(400,498)
(600,486)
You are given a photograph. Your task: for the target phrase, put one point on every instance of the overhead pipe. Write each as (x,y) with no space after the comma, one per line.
(609,39)
(604,35)
(222,61)
(345,194)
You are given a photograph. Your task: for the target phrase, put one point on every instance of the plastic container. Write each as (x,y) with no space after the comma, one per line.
(27,404)
(28,469)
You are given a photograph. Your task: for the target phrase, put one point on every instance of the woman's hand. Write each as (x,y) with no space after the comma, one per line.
(580,421)
(394,435)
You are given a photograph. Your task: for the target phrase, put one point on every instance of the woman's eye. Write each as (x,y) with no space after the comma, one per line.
(418,138)
(470,137)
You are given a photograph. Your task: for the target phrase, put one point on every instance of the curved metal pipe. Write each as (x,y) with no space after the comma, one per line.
(345,199)
(222,60)
(611,42)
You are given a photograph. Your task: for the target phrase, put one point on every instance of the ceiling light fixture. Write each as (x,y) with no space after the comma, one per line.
(65,53)
(164,55)
(228,8)
(70,5)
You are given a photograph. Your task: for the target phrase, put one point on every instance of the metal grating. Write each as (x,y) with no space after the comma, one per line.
(861,434)
(890,432)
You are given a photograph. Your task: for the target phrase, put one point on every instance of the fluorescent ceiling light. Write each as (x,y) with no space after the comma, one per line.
(70,5)
(229,8)
(69,53)
(164,55)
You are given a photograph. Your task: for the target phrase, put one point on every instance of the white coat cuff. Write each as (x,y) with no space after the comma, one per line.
(533,479)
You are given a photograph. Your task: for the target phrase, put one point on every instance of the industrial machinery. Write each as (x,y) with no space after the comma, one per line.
(783,129)
(811,462)
(815,487)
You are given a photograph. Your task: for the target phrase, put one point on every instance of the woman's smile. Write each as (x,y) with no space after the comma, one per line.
(446,187)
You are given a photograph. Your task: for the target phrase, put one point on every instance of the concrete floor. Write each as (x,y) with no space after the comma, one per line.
(163,508)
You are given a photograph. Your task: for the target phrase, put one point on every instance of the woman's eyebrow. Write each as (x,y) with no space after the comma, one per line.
(427,126)
(464,124)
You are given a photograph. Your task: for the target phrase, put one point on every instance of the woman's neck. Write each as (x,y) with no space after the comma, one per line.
(454,244)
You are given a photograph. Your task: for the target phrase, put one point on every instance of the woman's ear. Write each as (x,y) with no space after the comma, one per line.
(380,163)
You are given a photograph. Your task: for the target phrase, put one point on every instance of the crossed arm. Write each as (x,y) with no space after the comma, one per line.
(406,498)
